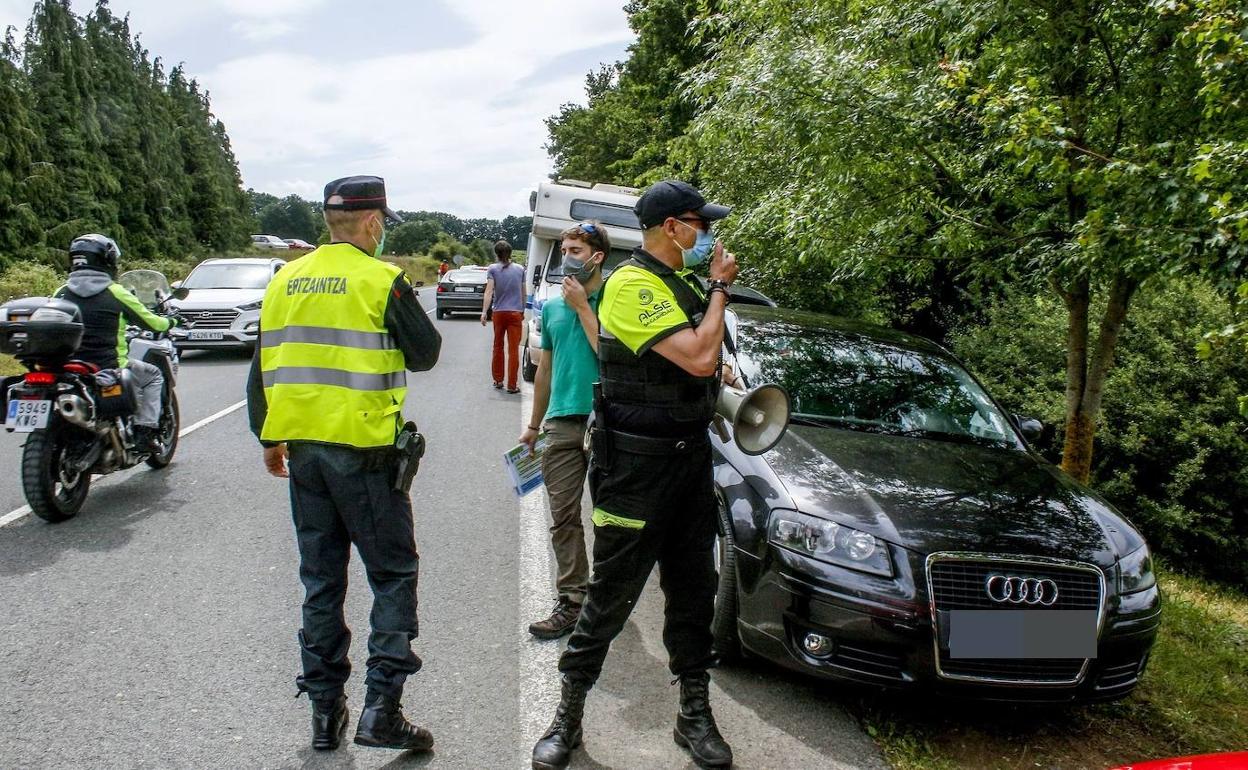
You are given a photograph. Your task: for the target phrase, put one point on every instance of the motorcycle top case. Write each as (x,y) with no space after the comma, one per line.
(40,329)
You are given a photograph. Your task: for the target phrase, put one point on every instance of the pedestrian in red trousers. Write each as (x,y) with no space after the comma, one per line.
(504,293)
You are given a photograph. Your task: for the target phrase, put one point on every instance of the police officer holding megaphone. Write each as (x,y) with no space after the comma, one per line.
(659,355)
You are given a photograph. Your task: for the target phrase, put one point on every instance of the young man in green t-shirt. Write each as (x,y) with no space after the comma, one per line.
(563,395)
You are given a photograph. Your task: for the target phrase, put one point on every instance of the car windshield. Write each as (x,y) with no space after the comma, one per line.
(843,380)
(229,277)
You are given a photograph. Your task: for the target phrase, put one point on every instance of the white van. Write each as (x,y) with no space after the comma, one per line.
(556,206)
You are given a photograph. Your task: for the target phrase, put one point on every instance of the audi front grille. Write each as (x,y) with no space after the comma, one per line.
(963,581)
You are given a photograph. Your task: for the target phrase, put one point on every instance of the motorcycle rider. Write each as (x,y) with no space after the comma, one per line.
(107,308)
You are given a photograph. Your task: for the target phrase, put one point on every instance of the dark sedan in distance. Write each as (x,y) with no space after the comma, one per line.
(461,291)
(904,534)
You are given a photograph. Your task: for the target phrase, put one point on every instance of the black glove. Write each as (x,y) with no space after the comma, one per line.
(176,319)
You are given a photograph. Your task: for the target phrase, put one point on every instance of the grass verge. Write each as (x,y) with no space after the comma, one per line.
(1193,699)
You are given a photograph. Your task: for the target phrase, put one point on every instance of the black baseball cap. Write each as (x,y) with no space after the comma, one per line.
(359,193)
(671,198)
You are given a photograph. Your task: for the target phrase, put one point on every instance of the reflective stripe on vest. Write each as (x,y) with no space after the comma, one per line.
(331,371)
(322,335)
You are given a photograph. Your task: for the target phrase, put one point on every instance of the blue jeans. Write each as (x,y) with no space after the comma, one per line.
(339,497)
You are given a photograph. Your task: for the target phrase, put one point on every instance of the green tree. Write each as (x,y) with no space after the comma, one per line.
(413,237)
(1219,35)
(290,217)
(632,130)
(77,188)
(96,137)
(1035,144)
(20,232)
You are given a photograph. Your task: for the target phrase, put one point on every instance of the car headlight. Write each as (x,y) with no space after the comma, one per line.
(1135,571)
(830,542)
(251,305)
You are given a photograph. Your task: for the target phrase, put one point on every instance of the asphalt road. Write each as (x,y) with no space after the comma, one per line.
(157,629)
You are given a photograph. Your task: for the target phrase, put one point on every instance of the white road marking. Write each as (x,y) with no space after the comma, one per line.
(13,516)
(539,660)
(209,420)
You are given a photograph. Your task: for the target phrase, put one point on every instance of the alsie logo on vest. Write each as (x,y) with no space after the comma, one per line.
(322,285)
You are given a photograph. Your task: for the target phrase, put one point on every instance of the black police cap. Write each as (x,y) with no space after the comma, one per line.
(359,193)
(671,198)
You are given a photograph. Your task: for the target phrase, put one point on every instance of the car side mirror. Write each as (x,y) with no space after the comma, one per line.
(1031,428)
(180,292)
(418,284)
(537,274)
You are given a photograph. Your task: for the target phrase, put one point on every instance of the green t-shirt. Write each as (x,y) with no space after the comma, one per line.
(574,365)
(640,310)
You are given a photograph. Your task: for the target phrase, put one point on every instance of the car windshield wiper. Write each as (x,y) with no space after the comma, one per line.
(819,421)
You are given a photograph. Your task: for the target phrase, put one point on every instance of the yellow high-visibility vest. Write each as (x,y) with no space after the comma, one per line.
(332,373)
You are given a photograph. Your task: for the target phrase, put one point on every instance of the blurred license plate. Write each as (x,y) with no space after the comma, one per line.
(27,416)
(1022,634)
(465,289)
(205,335)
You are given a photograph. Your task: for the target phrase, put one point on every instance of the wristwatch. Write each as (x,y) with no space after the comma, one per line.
(715,285)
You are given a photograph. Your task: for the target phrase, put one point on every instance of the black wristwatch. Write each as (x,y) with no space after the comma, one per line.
(715,285)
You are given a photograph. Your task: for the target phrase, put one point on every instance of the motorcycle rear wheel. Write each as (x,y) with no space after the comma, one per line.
(52,495)
(170,425)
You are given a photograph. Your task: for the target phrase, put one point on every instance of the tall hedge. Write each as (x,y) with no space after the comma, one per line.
(1174,454)
(94,136)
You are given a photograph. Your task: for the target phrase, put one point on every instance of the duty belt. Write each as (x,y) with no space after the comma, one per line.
(651,445)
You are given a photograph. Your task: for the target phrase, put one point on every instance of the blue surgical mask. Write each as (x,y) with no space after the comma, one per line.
(701,250)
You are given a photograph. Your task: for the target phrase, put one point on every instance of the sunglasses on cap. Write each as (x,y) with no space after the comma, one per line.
(589,228)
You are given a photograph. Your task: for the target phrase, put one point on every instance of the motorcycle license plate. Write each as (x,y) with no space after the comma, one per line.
(27,416)
(194,335)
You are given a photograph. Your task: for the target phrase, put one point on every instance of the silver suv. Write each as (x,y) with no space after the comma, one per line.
(222,308)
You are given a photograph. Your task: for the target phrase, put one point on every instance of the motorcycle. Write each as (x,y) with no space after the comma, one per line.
(79,417)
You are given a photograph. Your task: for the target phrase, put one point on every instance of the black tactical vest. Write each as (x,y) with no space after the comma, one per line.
(648,394)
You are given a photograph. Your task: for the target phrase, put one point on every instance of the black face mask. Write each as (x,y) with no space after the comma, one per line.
(581,271)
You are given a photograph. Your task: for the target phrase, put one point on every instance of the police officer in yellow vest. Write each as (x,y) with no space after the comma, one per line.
(338,327)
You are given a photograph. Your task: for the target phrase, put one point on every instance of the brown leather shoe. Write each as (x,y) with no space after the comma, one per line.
(560,622)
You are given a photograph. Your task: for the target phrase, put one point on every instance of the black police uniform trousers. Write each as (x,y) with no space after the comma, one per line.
(339,497)
(673,498)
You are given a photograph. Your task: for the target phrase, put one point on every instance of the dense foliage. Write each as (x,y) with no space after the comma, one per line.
(96,136)
(633,129)
(1173,455)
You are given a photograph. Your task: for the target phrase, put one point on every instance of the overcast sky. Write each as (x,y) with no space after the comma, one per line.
(445,100)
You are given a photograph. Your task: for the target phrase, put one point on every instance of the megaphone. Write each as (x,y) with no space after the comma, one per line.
(759,416)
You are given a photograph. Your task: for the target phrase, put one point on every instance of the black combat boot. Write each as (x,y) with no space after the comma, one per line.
(695,725)
(555,748)
(329,722)
(383,726)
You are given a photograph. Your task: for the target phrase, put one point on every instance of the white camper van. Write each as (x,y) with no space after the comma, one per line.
(556,206)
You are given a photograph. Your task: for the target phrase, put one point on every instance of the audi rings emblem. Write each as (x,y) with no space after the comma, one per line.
(1010,589)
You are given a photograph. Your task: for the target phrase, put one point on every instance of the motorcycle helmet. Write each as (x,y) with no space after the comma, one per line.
(94,252)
